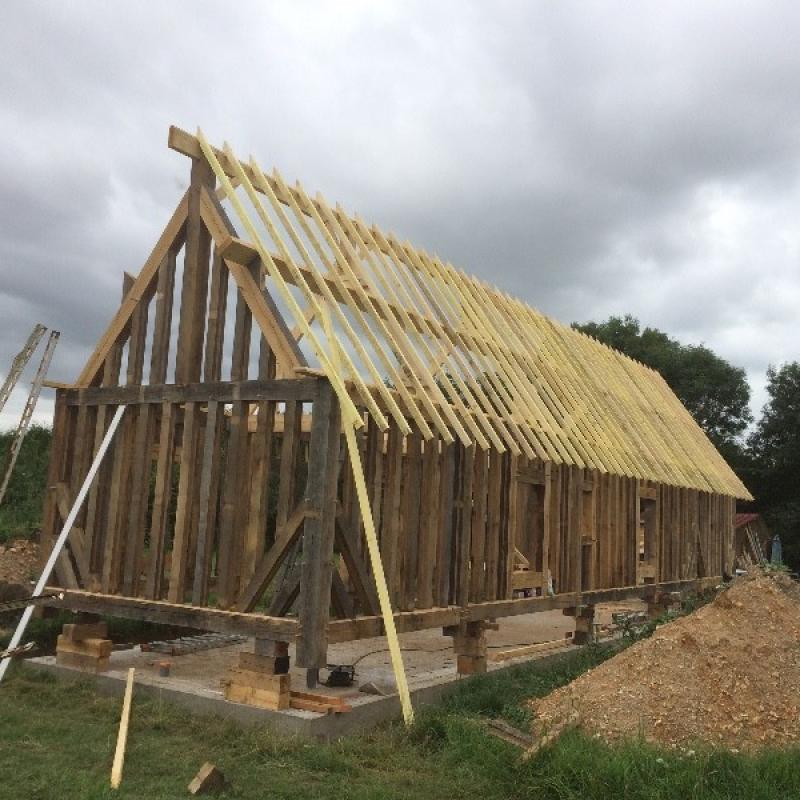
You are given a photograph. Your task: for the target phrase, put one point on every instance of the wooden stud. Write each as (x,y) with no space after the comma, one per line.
(428,524)
(411,511)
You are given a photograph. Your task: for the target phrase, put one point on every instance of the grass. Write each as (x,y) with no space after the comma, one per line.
(57,741)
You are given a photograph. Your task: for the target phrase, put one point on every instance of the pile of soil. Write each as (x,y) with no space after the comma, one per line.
(727,675)
(19,562)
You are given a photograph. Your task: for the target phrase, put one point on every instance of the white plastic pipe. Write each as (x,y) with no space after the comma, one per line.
(62,538)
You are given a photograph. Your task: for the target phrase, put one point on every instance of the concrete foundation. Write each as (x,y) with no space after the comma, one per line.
(195,680)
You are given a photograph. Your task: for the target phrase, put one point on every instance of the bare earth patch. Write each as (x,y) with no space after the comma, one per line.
(19,561)
(727,675)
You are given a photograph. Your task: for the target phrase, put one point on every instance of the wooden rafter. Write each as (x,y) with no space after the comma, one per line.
(463,360)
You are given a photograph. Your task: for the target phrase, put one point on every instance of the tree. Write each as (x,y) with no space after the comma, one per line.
(715,392)
(775,454)
(21,512)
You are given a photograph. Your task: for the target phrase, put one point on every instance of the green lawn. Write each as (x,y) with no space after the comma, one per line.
(57,741)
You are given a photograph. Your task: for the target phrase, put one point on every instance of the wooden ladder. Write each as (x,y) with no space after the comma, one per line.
(755,546)
(19,363)
(33,397)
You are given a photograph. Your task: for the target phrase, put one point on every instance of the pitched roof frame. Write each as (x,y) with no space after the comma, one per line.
(464,360)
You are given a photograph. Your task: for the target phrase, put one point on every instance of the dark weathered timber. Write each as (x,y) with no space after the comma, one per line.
(279,389)
(58,453)
(137,509)
(412,493)
(428,524)
(119,493)
(422,619)
(285,537)
(390,527)
(340,598)
(493,524)
(286,595)
(464,530)
(444,555)
(260,458)
(229,540)
(292,420)
(357,570)
(161,502)
(194,293)
(217,309)
(180,615)
(186,495)
(162,324)
(318,530)
(209,484)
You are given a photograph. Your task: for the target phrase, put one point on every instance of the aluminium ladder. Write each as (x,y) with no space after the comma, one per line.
(30,405)
(19,363)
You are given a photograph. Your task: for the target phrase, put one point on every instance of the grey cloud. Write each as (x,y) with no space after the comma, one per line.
(593,158)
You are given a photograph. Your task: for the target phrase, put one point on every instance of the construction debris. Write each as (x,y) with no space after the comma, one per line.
(192,644)
(508,733)
(320,703)
(209,780)
(727,675)
(122,736)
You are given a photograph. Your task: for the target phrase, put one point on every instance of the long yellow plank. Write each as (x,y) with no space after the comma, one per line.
(373,548)
(465,359)
(349,411)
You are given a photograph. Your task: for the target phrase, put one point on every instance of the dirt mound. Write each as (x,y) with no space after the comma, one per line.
(19,561)
(727,675)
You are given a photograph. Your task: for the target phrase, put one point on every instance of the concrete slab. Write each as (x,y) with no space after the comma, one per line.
(195,680)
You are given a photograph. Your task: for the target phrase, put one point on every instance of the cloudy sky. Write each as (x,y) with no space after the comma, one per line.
(594,158)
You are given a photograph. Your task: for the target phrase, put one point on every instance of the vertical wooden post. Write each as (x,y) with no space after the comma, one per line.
(494,521)
(391,530)
(461,572)
(194,293)
(412,494)
(444,553)
(546,502)
(318,531)
(58,450)
(429,524)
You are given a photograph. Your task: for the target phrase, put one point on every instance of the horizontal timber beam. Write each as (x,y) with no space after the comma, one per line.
(300,389)
(182,616)
(366,627)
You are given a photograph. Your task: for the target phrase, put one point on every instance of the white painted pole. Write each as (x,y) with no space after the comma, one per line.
(62,537)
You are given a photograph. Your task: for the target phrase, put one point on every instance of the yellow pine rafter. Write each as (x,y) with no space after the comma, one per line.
(349,410)
(466,360)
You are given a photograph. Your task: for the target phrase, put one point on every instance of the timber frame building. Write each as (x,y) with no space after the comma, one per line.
(294,377)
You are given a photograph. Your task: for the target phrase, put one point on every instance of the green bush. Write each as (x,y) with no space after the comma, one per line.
(21,511)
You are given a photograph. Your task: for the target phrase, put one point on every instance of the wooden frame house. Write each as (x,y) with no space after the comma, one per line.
(275,352)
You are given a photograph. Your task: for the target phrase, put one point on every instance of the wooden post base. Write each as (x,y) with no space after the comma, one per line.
(261,678)
(84,646)
(584,623)
(657,607)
